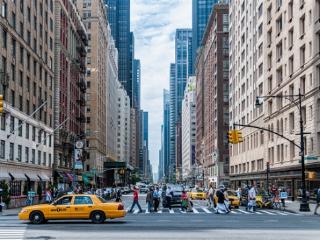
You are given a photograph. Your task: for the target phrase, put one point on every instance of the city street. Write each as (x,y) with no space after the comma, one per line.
(199,224)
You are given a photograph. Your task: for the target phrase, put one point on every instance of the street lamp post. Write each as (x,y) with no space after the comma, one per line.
(304,205)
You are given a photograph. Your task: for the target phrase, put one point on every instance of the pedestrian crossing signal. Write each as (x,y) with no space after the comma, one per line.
(1,103)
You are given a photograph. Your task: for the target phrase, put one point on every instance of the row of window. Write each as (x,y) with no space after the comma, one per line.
(28,156)
(256,165)
(16,126)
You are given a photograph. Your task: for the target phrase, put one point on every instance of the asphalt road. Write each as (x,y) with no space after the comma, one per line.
(176,225)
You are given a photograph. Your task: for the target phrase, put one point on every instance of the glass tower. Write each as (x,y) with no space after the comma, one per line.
(200,15)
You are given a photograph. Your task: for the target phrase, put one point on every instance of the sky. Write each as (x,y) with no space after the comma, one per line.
(154,23)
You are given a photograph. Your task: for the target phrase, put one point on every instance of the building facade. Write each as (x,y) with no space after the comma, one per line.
(201,11)
(118,13)
(214,86)
(94,15)
(172,151)
(123,130)
(70,87)
(166,132)
(26,82)
(188,129)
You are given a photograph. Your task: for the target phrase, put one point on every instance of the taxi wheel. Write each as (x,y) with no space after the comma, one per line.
(36,218)
(97,217)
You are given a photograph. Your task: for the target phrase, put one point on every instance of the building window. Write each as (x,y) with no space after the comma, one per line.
(20,129)
(279,75)
(39,157)
(291,65)
(290,11)
(3,122)
(302,26)
(303,85)
(33,156)
(302,55)
(26,154)
(279,51)
(4,9)
(269,37)
(15,188)
(2,149)
(279,25)
(19,153)
(4,38)
(33,133)
(11,152)
(11,124)
(44,159)
(291,122)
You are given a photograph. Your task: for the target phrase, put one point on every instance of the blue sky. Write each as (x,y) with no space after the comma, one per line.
(154,23)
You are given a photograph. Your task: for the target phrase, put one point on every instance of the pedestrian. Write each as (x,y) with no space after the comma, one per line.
(135,200)
(169,194)
(318,201)
(221,206)
(118,198)
(226,199)
(48,196)
(211,197)
(156,199)
(184,201)
(149,200)
(238,193)
(252,199)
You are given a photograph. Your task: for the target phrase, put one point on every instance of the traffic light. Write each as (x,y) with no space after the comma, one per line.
(232,137)
(238,137)
(1,103)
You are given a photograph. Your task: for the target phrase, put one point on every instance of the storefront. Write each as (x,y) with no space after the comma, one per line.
(288,178)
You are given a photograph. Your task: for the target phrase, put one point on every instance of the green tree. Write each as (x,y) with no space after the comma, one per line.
(5,193)
(39,192)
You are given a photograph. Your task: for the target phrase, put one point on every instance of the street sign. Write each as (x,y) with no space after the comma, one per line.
(310,157)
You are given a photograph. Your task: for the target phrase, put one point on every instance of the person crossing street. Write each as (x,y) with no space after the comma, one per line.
(135,200)
(156,199)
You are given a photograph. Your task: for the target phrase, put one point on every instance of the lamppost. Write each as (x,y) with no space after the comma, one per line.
(304,205)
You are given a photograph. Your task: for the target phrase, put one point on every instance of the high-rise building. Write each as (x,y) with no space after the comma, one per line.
(166,132)
(200,14)
(118,13)
(183,69)
(123,123)
(26,83)
(172,131)
(136,83)
(94,15)
(161,158)
(246,80)
(214,86)
(188,128)
(70,87)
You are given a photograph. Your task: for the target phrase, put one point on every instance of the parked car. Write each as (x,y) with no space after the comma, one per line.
(143,189)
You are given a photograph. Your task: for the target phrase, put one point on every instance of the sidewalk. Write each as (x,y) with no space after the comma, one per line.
(10,212)
(295,206)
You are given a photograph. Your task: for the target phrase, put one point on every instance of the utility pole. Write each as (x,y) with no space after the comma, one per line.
(304,206)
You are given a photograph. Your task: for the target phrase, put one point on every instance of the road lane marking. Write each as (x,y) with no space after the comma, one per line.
(234,212)
(159,211)
(195,210)
(206,210)
(17,234)
(171,211)
(283,214)
(239,210)
(270,213)
(259,213)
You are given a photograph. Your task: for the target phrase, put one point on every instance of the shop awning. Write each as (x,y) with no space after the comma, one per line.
(43,177)
(18,176)
(4,176)
(31,176)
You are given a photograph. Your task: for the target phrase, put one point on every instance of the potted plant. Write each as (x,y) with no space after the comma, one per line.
(5,193)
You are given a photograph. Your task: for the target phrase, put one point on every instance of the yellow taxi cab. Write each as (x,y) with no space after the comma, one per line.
(197,193)
(74,206)
(233,199)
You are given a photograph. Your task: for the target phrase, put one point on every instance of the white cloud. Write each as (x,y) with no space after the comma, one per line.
(154,23)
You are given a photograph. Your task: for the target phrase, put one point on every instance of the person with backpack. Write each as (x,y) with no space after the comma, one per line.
(318,202)
(156,199)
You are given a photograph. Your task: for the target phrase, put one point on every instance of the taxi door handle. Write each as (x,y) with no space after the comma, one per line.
(68,207)
(89,206)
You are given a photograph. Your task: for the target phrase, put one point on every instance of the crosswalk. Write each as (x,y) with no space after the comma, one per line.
(12,233)
(205,210)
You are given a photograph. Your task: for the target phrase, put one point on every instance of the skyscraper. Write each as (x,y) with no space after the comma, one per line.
(200,13)
(136,80)
(166,132)
(118,14)
(179,73)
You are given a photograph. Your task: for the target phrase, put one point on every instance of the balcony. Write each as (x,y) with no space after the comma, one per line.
(82,51)
(83,36)
(82,85)
(81,101)
(81,119)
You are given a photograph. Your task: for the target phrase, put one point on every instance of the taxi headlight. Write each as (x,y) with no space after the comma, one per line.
(24,211)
